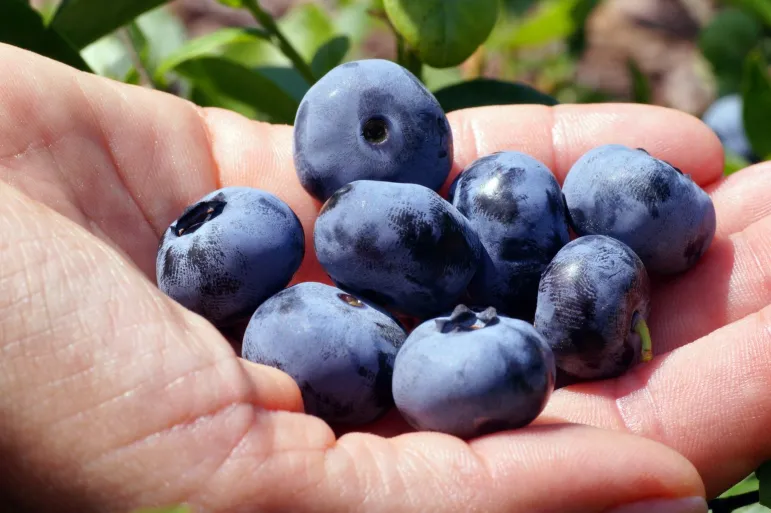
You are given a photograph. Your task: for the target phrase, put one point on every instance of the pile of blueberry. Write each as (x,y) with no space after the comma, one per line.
(502,297)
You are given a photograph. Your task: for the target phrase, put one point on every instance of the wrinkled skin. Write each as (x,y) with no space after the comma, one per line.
(338,349)
(229,252)
(590,296)
(114,397)
(514,204)
(399,245)
(648,204)
(470,374)
(370,120)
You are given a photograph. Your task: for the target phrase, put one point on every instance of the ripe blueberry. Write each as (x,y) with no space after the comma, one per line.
(514,204)
(644,202)
(473,373)
(726,119)
(370,120)
(229,252)
(593,301)
(400,245)
(339,349)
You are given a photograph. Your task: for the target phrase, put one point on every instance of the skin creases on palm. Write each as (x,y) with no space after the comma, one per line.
(91,174)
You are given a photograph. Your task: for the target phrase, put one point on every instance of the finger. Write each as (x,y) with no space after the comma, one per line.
(593,470)
(707,400)
(742,199)
(732,280)
(274,390)
(558,136)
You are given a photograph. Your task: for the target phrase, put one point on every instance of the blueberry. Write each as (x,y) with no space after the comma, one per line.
(651,206)
(473,373)
(514,204)
(593,301)
(726,119)
(399,245)
(229,252)
(339,349)
(370,120)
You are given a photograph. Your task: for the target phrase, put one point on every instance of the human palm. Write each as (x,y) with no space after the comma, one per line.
(115,397)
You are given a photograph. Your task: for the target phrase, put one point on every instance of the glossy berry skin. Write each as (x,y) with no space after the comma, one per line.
(370,120)
(515,206)
(399,245)
(229,252)
(651,206)
(339,349)
(726,119)
(473,373)
(591,295)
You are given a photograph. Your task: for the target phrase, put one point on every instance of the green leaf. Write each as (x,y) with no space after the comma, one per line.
(288,79)
(216,76)
(330,55)
(215,99)
(764,478)
(84,21)
(734,163)
(756,94)
(22,26)
(235,4)
(641,87)
(307,27)
(760,8)
(209,45)
(443,33)
(554,20)
(748,484)
(482,91)
(725,42)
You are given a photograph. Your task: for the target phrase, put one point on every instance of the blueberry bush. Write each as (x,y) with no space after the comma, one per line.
(486,52)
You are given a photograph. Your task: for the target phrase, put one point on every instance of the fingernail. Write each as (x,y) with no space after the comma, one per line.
(687,505)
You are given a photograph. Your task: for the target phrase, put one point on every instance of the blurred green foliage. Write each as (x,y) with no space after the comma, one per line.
(533,47)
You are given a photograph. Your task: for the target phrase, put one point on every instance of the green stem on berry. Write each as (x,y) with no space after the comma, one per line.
(269,24)
(641,328)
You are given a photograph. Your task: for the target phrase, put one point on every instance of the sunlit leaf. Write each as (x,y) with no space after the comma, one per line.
(443,33)
(330,55)
(84,21)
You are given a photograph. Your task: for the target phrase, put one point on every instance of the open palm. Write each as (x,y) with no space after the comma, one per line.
(114,397)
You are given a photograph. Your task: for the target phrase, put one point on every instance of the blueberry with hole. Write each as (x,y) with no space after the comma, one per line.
(370,120)
(339,349)
(593,303)
(514,204)
(399,245)
(473,373)
(229,252)
(726,119)
(644,202)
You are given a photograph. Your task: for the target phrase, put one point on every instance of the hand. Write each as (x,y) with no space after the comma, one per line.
(114,397)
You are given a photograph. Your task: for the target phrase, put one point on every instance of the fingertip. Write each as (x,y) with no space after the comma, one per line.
(672,135)
(560,135)
(275,390)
